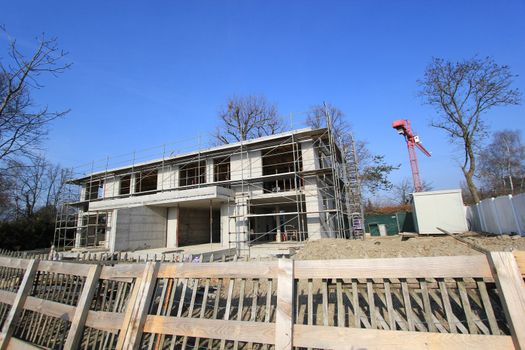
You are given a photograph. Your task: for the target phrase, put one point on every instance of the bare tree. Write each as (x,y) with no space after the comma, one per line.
(33,185)
(247,117)
(461,92)
(403,190)
(372,168)
(22,123)
(502,163)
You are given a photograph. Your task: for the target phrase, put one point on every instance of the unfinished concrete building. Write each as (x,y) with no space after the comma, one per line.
(292,186)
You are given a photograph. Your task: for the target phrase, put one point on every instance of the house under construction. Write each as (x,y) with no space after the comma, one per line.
(293,186)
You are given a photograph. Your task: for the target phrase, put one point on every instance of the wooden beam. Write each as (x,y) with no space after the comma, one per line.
(16,263)
(356,338)
(18,304)
(122,271)
(425,267)
(140,307)
(64,268)
(284,311)
(225,270)
(84,303)
(17,344)
(246,331)
(520,260)
(511,290)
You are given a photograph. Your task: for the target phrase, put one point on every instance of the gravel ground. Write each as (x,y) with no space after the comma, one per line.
(392,247)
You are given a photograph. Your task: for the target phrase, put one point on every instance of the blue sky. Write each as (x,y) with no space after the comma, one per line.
(148,73)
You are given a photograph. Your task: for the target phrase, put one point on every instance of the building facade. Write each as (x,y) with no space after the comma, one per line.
(285,187)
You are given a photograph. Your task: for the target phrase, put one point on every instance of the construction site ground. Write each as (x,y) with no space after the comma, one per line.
(394,246)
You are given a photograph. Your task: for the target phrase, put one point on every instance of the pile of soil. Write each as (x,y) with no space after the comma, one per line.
(504,243)
(394,247)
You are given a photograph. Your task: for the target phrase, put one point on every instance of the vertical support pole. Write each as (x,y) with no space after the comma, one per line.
(135,316)
(512,293)
(18,303)
(284,312)
(79,319)
(211,223)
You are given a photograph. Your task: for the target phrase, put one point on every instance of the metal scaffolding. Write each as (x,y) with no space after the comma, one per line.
(277,196)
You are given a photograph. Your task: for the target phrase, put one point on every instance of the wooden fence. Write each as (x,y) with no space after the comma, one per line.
(404,303)
(123,257)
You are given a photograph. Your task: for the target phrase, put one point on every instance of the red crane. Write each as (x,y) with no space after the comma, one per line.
(403,127)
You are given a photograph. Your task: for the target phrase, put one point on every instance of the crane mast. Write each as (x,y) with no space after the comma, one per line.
(403,128)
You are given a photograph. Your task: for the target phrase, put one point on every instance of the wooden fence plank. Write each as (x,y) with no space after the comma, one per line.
(520,259)
(77,324)
(355,338)
(246,331)
(427,267)
(512,293)
(226,270)
(284,314)
(65,268)
(140,307)
(18,304)
(14,262)
(17,344)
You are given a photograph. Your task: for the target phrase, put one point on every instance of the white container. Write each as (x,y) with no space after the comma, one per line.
(443,209)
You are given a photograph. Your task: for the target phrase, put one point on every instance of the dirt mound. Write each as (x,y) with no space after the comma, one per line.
(393,247)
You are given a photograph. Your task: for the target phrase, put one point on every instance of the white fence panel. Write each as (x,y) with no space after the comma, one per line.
(490,220)
(501,215)
(518,202)
(505,214)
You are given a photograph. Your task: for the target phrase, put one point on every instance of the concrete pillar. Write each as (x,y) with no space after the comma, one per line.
(110,187)
(83,192)
(166,178)
(112,231)
(132,181)
(279,237)
(310,155)
(172,227)
(226,223)
(209,170)
(78,235)
(314,205)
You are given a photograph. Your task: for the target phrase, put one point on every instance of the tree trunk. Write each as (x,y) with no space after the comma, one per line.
(471,185)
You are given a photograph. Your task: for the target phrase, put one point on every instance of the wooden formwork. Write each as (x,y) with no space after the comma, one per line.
(403,303)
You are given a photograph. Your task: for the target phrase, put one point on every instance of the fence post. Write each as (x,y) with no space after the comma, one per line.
(512,293)
(137,309)
(284,312)
(79,319)
(18,304)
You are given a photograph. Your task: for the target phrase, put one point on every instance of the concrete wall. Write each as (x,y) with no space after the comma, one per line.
(500,215)
(249,166)
(139,228)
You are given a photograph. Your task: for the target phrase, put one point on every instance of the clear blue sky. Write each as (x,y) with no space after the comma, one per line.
(146,73)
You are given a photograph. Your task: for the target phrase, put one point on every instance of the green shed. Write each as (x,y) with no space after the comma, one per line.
(390,224)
